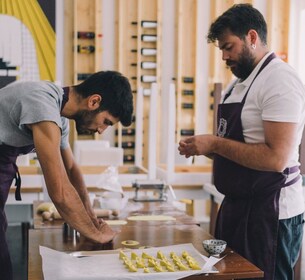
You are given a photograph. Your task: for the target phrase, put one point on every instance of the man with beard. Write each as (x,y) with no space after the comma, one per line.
(256,150)
(35,115)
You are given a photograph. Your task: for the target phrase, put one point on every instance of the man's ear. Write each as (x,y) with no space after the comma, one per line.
(252,35)
(94,102)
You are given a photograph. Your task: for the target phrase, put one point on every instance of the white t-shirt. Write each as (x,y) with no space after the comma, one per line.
(277,94)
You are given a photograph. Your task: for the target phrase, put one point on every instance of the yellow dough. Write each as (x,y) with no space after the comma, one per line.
(122,255)
(146,256)
(141,262)
(146,270)
(116,222)
(45,206)
(151,218)
(133,256)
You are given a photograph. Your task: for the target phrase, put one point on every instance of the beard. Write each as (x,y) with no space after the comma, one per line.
(245,64)
(83,120)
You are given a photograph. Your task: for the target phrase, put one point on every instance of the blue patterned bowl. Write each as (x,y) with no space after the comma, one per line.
(214,246)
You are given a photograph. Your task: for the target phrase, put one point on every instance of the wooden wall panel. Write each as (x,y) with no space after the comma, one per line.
(278,26)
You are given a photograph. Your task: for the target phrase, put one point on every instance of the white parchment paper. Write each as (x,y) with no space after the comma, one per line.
(62,266)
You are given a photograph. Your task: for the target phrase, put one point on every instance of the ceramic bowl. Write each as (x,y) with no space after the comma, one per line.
(214,246)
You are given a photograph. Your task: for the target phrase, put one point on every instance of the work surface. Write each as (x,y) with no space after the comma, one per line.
(148,234)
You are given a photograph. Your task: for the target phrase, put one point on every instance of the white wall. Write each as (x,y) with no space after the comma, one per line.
(109,36)
(296,54)
(168,71)
(59,22)
(202,71)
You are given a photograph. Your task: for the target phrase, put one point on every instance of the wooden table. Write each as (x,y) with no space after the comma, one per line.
(152,233)
(232,266)
(132,209)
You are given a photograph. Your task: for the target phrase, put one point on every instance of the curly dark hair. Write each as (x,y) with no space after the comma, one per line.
(115,91)
(239,19)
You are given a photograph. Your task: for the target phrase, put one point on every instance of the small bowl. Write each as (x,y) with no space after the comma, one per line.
(214,246)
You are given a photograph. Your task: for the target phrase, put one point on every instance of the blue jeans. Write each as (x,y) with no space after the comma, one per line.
(289,243)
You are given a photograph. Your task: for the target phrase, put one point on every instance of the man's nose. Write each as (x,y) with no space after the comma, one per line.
(225,55)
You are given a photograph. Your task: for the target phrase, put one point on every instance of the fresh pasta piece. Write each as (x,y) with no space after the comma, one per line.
(140,263)
(122,255)
(146,256)
(170,268)
(185,254)
(182,266)
(146,270)
(132,268)
(158,268)
(133,255)
(151,262)
(164,262)
(194,266)
(160,255)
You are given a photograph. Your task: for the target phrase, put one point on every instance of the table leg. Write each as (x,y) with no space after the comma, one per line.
(213,214)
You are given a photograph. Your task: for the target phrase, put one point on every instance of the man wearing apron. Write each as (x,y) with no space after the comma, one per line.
(260,123)
(35,115)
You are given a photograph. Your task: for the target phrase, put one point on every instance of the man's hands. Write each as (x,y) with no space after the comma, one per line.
(78,183)
(271,155)
(197,145)
(71,203)
(107,234)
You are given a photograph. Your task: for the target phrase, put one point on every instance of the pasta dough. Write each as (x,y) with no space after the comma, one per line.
(151,218)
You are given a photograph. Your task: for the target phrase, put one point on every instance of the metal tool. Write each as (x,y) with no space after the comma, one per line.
(154,190)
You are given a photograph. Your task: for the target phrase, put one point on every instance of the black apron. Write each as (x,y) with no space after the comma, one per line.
(9,172)
(248,216)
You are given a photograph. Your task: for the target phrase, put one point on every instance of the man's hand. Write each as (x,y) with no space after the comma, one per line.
(67,200)
(93,217)
(197,145)
(272,155)
(107,234)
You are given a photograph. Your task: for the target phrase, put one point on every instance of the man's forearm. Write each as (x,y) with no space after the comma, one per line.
(68,202)
(256,156)
(65,197)
(77,180)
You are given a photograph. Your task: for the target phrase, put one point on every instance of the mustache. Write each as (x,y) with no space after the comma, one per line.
(229,63)
(83,131)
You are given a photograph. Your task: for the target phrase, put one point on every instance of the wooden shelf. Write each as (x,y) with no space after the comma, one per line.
(87,52)
(131,40)
(186,16)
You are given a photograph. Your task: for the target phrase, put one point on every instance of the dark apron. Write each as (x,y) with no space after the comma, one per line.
(248,216)
(8,172)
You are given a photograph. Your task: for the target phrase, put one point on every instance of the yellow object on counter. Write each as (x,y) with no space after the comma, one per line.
(130,243)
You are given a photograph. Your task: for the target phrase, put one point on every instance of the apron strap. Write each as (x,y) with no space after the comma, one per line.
(291,170)
(17,184)
(65,97)
(266,62)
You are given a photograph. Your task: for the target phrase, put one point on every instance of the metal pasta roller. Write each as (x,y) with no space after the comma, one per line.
(149,190)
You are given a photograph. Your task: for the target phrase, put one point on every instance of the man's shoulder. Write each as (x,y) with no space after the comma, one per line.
(27,87)
(281,72)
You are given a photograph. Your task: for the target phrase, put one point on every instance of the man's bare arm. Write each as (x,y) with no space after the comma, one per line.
(77,180)
(66,199)
(273,155)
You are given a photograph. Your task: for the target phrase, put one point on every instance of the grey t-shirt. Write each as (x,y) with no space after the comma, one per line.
(23,103)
